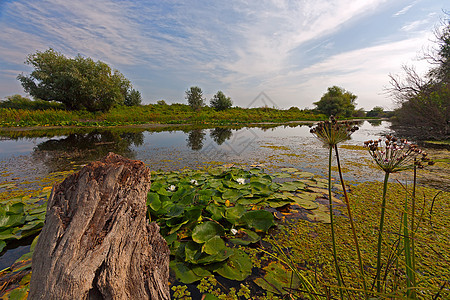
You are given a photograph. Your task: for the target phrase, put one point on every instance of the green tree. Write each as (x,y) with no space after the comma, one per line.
(376,112)
(194,97)
(336,102)
(220,101)
(133,98)
(78,83)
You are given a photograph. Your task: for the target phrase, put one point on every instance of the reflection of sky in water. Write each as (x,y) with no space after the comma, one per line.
(281,146)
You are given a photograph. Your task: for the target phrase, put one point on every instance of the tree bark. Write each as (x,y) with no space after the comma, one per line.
(97,242)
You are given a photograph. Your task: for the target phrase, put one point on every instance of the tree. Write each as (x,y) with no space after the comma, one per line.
(337,102)
(78,83)
(376,112)
(194,97)
(220,101)
(424,101)
(133,98)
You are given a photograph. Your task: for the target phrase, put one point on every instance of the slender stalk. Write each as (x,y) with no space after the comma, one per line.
(355,237)
(413,215)
(407,246)
(338,273)
(380,232)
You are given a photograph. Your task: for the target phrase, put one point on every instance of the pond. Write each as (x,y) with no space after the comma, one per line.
(32,159)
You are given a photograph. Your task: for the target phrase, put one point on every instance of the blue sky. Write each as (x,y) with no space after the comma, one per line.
(290,50)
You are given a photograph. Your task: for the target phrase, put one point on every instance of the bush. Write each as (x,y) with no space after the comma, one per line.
(19,102)
(220,101)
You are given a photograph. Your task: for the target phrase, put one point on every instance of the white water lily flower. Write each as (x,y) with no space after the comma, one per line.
(172,188)
(240,180)
(194,182)
(233,231)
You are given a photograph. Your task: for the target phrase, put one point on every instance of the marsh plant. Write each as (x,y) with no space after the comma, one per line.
(394,155)
(331,133)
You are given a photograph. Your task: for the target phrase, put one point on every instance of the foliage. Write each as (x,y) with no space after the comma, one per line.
(220,101)
(424,101)
(194,96)
(133,98)
(19,102)
(336,102)
(153,113)
(78,83)
(376,112)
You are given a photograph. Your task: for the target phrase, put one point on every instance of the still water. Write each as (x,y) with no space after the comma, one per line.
(35,154)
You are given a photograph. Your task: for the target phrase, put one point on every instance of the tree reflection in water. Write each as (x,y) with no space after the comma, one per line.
(81,148)
(195,139)
(220,135)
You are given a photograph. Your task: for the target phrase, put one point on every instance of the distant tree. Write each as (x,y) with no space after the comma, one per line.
(359,113)
(376,112)
(194,97)
(337,102)
(424,101)
(220,101)
(133,98)
(161,102)
(78,83)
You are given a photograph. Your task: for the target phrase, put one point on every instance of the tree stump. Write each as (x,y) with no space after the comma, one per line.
(96,242)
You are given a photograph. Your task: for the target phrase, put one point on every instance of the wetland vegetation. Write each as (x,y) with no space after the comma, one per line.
(254,222)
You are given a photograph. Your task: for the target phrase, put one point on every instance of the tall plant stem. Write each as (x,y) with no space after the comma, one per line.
(380,233)
(338,273)
(413,254)
(355,237)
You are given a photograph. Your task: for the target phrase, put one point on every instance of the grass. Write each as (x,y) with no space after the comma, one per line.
(152,113)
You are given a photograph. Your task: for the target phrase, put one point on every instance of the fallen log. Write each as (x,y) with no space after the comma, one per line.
(97,242)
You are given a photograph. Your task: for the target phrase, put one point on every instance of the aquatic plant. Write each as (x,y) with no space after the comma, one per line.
(331,133)
(392,155)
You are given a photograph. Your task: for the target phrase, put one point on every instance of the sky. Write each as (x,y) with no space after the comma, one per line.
(268,52)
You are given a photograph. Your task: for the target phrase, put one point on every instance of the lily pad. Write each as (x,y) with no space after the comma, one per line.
(245,237)
(237,267)
(213,245)
(291,186)
(186,273)
(306,204)
(205,231)
(278,279)
(258,219)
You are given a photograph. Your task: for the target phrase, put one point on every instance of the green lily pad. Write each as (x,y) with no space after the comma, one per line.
(187,274)
(292,186)
(306,204)
(205,231)
(2,245)
(220,256)
(153,201)
(213,245)
(237,267)
(281,175)
(278,279)
(232,195)
(258,219)
(304,174)
(245,237)
(289,170)
(232,214)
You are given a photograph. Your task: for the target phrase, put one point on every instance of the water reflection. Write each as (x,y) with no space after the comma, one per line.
(375,123)
(195,139)
(79,148)
(220,135)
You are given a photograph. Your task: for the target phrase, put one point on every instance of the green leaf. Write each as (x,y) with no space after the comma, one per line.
(305,203)
(213,245)
(217,212)
(278,279)
(192,251)
(11,221)
(153,201)
(291,186)
(258,219)
(2,245)
(237,267)
(205,231)
(232,214)
(184,272)
(231,195)
(245,237)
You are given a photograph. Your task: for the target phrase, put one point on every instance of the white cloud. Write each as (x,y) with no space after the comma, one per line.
(404,10)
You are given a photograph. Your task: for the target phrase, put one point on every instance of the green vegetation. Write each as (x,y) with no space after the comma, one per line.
(195,99)
(19,102)
(78,83)
(220,101)
(424,102)
(337,102)
(152,113)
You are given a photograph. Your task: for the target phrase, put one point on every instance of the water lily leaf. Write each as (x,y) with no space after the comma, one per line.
(232,214)
(304,174)
(42,209)
(306,204)
(237,267)
(178,226)
(245,237)
(213,245)
(289,170)
(8,185)
(220,256)
(20,293)
(216,211)
(205,231)
(281,175)
(231,195)
(153,201)
(291,186)
(278,203)
(7,234)
(319,216)
(11,221)
(216,171)
(176,210)
(209,297)
(278,279)
(2,245)
(258,219)
(192,251)
(184,272)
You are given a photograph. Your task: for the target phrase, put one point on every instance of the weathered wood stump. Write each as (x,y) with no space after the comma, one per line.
(96,242)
